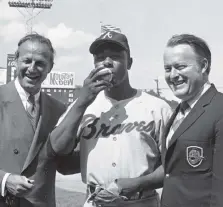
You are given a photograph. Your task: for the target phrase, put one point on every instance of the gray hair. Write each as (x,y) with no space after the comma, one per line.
(39,38)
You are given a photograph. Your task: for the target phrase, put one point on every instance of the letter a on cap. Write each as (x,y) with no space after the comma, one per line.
(107,34)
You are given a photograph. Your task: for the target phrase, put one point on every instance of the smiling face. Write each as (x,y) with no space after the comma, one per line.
(184,72)
(33,64)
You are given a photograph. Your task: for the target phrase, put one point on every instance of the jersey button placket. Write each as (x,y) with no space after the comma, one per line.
(115,152)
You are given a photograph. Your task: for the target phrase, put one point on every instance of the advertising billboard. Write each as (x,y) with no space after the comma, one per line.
(11,68)
(66,96)
(57,79)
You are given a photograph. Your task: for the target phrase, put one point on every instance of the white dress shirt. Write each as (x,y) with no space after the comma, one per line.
(25,95)
(24,98)
(191,103)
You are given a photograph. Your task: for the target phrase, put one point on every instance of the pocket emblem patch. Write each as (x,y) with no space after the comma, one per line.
(194,155)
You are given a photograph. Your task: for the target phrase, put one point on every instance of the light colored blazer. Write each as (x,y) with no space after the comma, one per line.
(29,153)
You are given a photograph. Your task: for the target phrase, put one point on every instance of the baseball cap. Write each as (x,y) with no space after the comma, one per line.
(112,37)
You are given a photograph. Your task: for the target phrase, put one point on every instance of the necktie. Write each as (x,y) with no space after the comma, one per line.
(184,106)
(32,111)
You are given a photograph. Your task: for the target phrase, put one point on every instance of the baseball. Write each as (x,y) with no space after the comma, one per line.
(107,77)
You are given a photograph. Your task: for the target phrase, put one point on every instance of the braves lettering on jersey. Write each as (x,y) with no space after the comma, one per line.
(121,139)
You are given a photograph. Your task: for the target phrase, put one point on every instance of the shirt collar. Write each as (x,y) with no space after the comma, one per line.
(193,101)
(22,93)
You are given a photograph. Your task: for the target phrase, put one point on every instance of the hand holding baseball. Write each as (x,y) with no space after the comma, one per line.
(93,84)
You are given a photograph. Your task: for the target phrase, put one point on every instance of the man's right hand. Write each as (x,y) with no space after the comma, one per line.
(92,86)
(18,185)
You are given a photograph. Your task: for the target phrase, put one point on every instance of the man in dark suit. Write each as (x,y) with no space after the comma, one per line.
(192,146)
(28,162)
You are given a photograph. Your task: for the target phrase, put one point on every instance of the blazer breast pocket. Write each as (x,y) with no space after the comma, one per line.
(196,156)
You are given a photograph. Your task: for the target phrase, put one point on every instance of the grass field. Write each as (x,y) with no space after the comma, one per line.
(65,198)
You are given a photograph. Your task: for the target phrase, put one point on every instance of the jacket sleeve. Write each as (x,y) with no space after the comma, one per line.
(217,182)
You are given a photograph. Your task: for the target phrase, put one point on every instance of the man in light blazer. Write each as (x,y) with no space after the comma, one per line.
(28,162)
(192,146)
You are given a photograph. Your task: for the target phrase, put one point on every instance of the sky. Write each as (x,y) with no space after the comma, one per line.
(72,25)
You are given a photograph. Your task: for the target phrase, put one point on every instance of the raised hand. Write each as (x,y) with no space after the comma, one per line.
(92,86)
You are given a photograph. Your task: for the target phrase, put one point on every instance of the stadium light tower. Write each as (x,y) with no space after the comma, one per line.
(29,6)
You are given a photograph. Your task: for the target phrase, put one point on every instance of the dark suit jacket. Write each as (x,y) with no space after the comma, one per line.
(193,163)
(29,153)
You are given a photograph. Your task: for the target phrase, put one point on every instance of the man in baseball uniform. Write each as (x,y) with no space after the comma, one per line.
(119,128)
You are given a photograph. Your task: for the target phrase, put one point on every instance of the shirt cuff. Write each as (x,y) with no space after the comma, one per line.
(3,184)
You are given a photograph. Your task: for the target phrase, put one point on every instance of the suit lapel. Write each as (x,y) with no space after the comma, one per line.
(194,114)
(167,129)
(16,111)
(42,130)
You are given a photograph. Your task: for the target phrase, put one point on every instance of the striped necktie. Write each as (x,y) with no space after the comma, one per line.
(32,111)
(184,106)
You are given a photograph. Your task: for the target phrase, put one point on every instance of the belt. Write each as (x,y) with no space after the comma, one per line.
(138,195)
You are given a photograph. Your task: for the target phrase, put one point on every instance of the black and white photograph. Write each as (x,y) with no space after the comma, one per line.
(111,103)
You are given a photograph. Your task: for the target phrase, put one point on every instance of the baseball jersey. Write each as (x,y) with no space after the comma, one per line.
(121,139)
